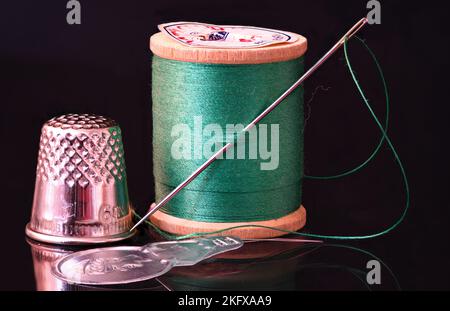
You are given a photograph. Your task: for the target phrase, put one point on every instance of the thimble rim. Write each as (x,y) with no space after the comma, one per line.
(71,240)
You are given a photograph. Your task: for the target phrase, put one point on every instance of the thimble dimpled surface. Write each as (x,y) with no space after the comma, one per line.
(81,191)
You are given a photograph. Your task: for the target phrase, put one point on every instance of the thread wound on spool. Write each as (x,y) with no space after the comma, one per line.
(231,190)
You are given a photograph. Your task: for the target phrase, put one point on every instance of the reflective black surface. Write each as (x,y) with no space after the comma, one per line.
(256,266)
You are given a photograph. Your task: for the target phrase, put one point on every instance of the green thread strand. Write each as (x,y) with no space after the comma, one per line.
(384,138)
(233,190)
(386,123)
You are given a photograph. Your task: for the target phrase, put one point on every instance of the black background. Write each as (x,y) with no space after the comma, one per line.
(102,66)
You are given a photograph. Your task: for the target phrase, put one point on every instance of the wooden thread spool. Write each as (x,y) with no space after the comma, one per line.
(165,47)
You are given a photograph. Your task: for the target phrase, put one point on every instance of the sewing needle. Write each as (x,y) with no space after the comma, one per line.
(216,155)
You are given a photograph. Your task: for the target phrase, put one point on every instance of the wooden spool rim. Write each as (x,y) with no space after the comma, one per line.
(179,226)
(165,47)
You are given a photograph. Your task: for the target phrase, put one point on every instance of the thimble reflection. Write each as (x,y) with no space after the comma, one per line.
(80,194)
(43,258)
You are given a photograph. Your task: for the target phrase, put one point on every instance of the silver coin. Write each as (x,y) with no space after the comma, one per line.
(111,265)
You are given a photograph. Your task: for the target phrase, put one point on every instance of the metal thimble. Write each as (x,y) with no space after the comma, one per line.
(80,195)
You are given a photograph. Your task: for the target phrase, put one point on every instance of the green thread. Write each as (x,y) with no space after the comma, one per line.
(386,123)
(346,173)
(233,190)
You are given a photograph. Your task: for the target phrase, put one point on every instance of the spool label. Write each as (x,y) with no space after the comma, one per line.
(215,36)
